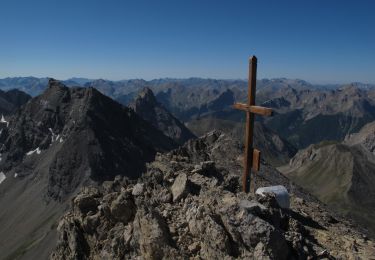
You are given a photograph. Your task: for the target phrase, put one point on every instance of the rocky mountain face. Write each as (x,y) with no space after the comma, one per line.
(57,142)
(365,137)
(11,100)
(147,107)
(314,101)
(188,205)
(340,174)
(100,136)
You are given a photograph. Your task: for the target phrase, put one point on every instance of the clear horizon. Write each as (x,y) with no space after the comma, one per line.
(321,42)
(172,78)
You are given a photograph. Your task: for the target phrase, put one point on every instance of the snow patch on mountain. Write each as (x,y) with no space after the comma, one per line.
(2,177)
(2,120)
(37,151)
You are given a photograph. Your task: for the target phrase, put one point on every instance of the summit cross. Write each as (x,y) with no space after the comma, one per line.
(251,155)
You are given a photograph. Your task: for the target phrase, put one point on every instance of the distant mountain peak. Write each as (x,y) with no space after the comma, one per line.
(147,96)
(146,106)
(55,83)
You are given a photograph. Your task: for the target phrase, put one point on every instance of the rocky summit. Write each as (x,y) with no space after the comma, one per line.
(188,206)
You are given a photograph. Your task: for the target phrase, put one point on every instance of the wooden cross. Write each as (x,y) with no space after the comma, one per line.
(251,156)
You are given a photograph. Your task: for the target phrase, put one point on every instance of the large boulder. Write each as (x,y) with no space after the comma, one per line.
(152,234)
(123,208)
(180,187)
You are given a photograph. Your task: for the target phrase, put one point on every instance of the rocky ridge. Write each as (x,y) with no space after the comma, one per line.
(365,137)
(188,205)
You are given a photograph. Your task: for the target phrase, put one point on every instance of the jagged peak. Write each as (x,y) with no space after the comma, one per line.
(147,96)
(59,89)
(55,83)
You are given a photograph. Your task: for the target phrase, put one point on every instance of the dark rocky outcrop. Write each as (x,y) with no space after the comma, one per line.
(11,100)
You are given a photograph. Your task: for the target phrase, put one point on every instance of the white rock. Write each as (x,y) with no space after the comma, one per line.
(281,193)
(2,177)
(54,136)
(138,189)
(2,120)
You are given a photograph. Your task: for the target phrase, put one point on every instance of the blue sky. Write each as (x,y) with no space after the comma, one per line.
(318,41)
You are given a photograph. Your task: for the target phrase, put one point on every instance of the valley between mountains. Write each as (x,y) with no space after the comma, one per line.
(98,169)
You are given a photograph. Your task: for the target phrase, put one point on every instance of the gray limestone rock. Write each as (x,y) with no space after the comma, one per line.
(180,187)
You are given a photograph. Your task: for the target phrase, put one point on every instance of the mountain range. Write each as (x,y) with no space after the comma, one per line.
(305,114)
(300,106)
(67,139)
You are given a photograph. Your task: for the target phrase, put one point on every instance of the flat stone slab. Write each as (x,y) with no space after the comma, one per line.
(281,194)
(253,207)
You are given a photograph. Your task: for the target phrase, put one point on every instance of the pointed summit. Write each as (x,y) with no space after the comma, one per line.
(53,82)
(147,96)
(146,106)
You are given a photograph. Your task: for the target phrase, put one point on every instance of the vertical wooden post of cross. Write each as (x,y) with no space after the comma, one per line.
(251,155)
(248,160)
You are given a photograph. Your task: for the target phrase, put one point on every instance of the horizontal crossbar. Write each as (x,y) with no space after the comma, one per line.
(264,111)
